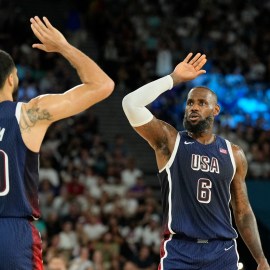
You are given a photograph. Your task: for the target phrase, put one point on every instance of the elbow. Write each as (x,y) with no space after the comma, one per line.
(108,87)
(111,85)
(127,103)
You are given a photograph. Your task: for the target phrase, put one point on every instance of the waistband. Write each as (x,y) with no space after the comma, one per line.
(196,240)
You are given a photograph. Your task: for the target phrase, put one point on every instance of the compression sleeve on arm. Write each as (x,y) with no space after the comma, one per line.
(134,103)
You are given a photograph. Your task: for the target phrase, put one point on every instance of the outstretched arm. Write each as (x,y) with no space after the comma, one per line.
(160,135)
(243,214)
(40,112)
(96,84)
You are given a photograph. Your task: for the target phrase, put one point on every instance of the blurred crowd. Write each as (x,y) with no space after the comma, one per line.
(97,211)
(94,201)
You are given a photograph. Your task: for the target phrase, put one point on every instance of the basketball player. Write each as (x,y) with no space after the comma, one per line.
(22,129)
(200,175)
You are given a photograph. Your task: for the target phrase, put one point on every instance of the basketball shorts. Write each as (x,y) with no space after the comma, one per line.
(20,245)
(187,254)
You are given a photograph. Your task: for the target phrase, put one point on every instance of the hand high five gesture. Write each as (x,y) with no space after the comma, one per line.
(51,39)
(189,69)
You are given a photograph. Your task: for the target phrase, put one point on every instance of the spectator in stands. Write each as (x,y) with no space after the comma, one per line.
(82,262)
(130,174)
(57,263)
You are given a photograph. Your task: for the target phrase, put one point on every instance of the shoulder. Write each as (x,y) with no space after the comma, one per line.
(8,105)
(237,150)
(34,102)
(239,156)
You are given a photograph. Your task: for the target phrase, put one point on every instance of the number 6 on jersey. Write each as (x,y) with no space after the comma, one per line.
(204,190)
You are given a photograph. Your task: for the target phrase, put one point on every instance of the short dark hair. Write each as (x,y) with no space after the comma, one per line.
(6,66)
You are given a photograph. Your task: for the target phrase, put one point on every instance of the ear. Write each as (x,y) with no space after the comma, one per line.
(216,110)
(10,79)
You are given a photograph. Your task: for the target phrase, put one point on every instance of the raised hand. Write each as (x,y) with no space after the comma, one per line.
(51,39)
(190,68)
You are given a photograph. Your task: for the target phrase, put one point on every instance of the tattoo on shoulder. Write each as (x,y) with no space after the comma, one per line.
(30,117)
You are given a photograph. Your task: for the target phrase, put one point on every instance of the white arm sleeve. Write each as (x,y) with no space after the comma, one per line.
(134,103)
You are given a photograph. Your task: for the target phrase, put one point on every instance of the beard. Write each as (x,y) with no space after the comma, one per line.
(200,127)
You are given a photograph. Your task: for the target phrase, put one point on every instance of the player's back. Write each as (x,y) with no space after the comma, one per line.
(18,167)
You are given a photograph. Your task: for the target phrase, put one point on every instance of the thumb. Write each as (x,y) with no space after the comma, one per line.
(39,46)
(200,72)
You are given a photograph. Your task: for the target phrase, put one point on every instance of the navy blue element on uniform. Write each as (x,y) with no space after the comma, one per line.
(188,255)
(20,244)
(196,189)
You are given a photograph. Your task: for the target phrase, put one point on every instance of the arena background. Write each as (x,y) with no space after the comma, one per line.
(136,42)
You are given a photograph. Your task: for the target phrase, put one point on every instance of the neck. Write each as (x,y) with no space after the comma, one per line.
(205,137)
(5,97)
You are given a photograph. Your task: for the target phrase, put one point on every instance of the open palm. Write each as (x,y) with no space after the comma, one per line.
(51,39)
(190,68)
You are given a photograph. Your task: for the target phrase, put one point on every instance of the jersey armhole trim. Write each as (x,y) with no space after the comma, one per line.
(170,161)
(18,111)
(229,146)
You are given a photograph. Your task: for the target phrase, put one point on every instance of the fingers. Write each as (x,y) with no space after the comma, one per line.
(39,25)
(194,59)
(47,22)
(35,30)
(188,57)
(200,63)
(40,29)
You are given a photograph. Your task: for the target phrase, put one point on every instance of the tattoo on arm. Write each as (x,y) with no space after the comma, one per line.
(31,116)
